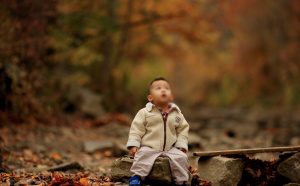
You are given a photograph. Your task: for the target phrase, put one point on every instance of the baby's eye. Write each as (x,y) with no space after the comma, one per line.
(158,88)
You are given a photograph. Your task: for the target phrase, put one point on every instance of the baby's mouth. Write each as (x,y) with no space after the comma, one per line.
(163,95)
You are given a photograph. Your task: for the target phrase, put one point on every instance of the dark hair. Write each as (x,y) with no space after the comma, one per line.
(156,79)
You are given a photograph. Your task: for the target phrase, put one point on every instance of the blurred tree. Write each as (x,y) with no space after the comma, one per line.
(264,47)
(23,39)
(219,53)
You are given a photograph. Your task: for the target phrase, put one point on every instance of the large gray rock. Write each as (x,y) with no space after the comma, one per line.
(87,101)
(290,168)
(220,170)
(160,174)
(120,170)
(92,146)
(118,149)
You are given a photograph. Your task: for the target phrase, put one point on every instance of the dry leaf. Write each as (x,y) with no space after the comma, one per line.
(56,156)
(83,181)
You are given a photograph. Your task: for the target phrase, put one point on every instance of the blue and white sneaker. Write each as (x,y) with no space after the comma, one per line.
(135,181)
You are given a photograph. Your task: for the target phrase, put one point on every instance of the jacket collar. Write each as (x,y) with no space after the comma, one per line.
(149,106)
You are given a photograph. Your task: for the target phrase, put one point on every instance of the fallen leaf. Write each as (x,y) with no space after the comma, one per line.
(5,175)
(56,156)
(255,174)
(109,184)
(83,181)
(192,169)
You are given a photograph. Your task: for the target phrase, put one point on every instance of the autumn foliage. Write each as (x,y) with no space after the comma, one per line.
(215,53)
(55,179)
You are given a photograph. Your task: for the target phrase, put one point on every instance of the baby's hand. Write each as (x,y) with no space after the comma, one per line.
(132,151)
(182,149)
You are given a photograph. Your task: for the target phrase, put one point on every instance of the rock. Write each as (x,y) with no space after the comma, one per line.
(66,166)
(120,169)
(194,140)
(39,148)
(292,184)
(117,131)
(27,181)
(119,149)
(87,101)
(281,139)
(160,174)
(93,146)
(220,170)
(295,141)
(290,168)
(247,130)
(61,167)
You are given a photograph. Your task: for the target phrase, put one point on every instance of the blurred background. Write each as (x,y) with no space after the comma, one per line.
(214,53)
(232,65)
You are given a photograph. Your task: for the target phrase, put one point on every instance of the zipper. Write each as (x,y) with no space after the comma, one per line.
(165,137)
(165,128)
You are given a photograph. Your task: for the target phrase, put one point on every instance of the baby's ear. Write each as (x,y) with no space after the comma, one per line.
(150,98)
(172,98)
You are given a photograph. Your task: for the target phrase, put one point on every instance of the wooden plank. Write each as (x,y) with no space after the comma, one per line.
(247,151)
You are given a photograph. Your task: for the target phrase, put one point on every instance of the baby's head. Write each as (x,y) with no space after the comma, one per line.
(159,92)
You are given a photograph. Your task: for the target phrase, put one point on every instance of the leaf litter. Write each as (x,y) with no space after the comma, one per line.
(30,147)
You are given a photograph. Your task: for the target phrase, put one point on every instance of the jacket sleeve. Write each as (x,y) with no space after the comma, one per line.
(182,134)
(137,130)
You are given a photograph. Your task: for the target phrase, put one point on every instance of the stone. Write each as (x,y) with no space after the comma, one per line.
(66,166)
(60,167)
(160,174)
(119,149)
(93,146)
(194,140)
(25,181)
(290,168)
(87,101)
(220,170)
(120,170)
(281,139)
(295,141)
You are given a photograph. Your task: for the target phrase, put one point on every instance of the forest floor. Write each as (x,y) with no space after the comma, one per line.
(30,149)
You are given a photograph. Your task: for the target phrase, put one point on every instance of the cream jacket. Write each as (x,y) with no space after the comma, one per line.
(149,129)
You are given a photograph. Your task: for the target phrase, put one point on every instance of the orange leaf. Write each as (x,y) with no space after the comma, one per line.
(56,156)
(5,175)
(35,177)
(83,181)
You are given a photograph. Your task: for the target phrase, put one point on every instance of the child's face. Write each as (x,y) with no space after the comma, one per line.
(160,93)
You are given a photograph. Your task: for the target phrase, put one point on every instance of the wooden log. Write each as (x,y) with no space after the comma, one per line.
(247,151)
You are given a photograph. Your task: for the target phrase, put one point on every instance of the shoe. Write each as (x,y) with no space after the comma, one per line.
(135,181)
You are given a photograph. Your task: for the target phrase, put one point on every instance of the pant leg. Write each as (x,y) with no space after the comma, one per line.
(143,161)
(179,165)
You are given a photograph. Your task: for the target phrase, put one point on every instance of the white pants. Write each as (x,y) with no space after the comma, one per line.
(145,158)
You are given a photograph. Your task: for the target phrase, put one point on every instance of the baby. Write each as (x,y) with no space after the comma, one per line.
(159,129)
